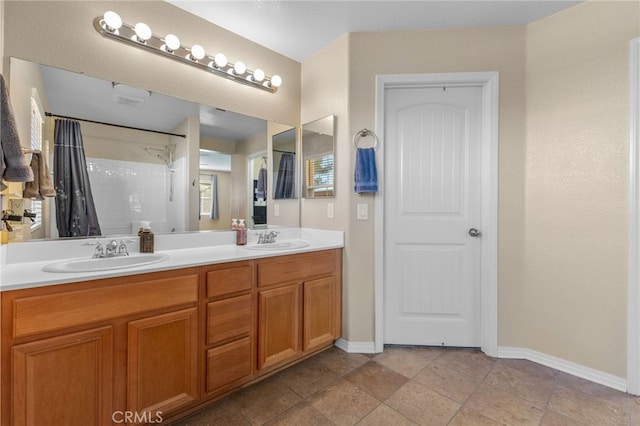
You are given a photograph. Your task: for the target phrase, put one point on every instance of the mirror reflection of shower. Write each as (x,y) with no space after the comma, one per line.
(165,154)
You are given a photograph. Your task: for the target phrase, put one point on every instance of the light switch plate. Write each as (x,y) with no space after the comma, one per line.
(330,211)
(363,211)
(16,205)
(276,209)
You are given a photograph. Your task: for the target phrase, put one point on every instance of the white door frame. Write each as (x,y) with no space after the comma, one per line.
(633,316)
(488,81)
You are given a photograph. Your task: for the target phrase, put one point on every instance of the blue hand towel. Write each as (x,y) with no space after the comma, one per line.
(366,173)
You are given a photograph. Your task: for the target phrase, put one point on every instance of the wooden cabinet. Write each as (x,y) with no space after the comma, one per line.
(87,353)
(320,316)
(162,362)
(279,325)
(64,380)
(151,347)
(299,306)
(229,341)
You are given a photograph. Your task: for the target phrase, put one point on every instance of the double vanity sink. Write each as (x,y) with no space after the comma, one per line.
(120,262)
(212,316)
(39,263)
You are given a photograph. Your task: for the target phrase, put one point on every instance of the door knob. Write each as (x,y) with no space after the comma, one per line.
(474,232)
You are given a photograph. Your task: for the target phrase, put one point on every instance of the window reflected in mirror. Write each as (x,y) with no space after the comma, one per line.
(318,157)
(215,190)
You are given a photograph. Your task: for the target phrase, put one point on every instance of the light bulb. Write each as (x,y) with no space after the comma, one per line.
(143,32)
(197,52)
(258,75)
(276,81)
(220,60)
(171,42)
(239,68)
(112,20)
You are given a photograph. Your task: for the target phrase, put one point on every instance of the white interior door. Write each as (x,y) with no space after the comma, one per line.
(432,207)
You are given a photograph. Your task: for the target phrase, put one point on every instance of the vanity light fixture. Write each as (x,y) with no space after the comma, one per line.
(110,25)
(143,32)
(196,53)
(171,43)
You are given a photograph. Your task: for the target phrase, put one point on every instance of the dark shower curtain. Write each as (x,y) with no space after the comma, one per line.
(286,176)
(75,212)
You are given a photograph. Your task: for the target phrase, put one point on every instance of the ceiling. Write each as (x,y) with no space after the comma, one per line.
(298,29)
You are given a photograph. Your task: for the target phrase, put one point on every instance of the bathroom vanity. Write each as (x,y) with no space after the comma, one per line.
(156,344)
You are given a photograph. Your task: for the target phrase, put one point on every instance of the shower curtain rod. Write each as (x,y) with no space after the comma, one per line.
(48,114)
(284,152)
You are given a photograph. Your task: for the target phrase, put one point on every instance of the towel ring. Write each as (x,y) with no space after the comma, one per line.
(363,134)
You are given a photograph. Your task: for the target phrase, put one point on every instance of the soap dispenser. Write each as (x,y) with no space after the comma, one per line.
(146,238)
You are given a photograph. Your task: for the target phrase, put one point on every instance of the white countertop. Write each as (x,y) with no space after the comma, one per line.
(23,262)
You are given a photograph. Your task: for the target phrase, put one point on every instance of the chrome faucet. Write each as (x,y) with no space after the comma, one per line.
(267,238)
(122,249)
(112,249)
(99,251)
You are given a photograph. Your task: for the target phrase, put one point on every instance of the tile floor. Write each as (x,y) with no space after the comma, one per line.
(417,385)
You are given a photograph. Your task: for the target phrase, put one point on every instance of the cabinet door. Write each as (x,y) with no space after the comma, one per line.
(279,325)
(319,307)
(66,380)
(162,362)
(228,364)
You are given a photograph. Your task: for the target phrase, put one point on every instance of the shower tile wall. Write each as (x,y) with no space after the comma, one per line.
(127,192)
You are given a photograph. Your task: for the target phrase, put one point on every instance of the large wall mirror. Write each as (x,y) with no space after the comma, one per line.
(318,158)
(149,157)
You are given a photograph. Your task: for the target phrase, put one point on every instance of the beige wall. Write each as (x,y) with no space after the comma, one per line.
(2,29)
(116,143)
(467,50)
(574,300)
(218,145)
(61,34)
(563,144)
(562,169)
(325,91)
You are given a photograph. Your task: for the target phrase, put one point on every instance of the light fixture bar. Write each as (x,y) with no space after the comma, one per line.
(111,26)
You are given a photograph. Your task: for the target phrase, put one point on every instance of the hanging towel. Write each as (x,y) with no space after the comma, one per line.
(214,198)
(261,188)
(41,185)
(13,163)
(366,173)
(286,176)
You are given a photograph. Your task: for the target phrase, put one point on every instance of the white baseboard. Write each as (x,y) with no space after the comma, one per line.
(559,364)
(569,367)
(356,347)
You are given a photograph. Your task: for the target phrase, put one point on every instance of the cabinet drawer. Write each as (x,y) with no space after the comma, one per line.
(228,318)
(50,312)
(228,363)
(230,280)
(295,269)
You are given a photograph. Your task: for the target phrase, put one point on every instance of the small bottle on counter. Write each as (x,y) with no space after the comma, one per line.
(146,238)
(241,233)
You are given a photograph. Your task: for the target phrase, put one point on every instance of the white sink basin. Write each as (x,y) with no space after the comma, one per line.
(104,264)
(279,245)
